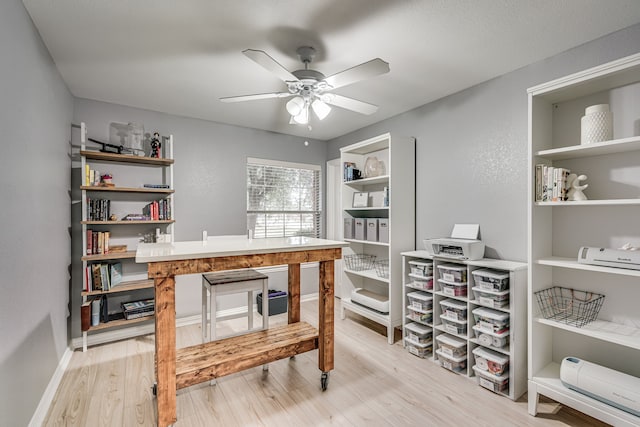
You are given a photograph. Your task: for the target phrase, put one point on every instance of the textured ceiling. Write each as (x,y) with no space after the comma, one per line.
(179,57)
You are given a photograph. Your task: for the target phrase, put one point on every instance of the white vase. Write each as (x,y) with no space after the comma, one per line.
(596,124)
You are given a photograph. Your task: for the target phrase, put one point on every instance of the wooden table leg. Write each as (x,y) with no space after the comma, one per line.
(325,316)
(166,350)
(294,293)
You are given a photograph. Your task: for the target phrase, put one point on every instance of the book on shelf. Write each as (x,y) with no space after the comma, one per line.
(131,316)
(551,183)
(97,278)
(85,315)
(164,186)
(115,274)
(136,309)
(103,276)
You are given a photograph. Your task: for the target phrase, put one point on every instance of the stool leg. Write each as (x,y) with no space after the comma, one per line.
(265,312)
(249,310)
(214,311)
(204,311)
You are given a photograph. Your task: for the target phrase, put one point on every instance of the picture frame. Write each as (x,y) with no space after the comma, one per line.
(360,200)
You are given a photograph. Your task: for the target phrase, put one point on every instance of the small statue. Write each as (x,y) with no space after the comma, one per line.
(155,145)
(575,189)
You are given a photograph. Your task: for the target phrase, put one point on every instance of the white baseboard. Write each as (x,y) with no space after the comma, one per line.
(49,393)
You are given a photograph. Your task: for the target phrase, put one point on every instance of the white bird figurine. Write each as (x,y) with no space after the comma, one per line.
(575,189)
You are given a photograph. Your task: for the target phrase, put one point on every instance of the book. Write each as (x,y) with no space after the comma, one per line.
(106,242)
(89,242)
(104,275)
(85,316)
(131,316)
(115,274)
(156,185)
(97,278)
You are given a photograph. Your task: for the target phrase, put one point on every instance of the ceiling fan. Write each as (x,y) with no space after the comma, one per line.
(310,88)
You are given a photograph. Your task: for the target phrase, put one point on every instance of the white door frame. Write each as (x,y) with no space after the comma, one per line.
(334,214)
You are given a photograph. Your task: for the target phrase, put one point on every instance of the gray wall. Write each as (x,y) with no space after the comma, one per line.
(471,151)
(209,179)
(35,118)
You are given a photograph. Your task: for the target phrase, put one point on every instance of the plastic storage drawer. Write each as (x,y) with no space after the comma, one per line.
(425,283)
(491,320)
(421,268)
(491,280)
(453,289)
(492,382)
(455,364)
(491,361)
(417,333)
(420,350)
(496,299)
(419,315)
(420,301)
(454,326)
(491,339)
(451,346)
(454,310)
(453,273)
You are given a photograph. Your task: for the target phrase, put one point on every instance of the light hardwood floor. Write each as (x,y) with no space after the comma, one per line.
(373,384)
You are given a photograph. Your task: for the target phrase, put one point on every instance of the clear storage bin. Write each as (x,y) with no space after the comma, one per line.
(491,320)
(491,298)
(417,333)
(421,268)
(454,310)
(426,283)
(495,383)
(420,350)
(491,361)
(454,326)
(492,280)
(453,289)
(453,273)
(455,364)
(419,315)
(420,301)
(451,346)
(491,339)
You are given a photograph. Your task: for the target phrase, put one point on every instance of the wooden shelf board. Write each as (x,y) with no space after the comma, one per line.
(110,256)
(120,222)
(369,274)
(615,333)
(572,263)
(367,181)
(125,158)
(595,149)
(549,384)
(127,189)
(214,359)
(601,202)
(366,242)
(124,287)
(119,322)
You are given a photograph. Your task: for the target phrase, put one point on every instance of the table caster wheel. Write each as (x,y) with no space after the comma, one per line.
(154,389)
(324,381)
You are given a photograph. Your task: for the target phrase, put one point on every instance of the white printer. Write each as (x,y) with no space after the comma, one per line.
(463,243)
(609,257)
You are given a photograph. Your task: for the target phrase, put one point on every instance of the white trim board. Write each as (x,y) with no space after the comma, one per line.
(49,393)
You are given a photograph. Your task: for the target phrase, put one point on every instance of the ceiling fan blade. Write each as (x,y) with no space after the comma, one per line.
(270,64)
(349,103)
(256,96)
(363,71)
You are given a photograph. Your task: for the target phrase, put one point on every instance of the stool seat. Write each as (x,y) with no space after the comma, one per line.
(232,282)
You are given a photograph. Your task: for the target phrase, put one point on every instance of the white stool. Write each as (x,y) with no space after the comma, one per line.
(232,282)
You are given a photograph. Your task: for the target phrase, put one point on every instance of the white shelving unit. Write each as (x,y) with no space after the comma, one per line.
(515,350)
(398,156)
(608,219)
(127,196)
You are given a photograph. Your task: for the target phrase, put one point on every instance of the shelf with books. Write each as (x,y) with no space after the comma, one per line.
(126,186)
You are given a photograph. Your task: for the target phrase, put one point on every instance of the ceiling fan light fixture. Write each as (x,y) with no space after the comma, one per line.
(296,105)
(303,117)
(321,109)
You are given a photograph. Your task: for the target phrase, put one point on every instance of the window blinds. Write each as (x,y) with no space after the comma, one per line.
(283,199)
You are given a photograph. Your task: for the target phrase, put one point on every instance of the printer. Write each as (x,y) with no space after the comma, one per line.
(463,243)
(620,258)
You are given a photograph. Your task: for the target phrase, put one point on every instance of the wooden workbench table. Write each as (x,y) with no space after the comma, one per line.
(184,367)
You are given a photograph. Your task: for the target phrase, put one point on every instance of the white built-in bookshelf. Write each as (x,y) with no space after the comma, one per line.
(608,219)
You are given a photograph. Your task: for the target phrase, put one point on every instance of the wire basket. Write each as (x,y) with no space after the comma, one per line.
(570,306)
(359,262)
(382,268)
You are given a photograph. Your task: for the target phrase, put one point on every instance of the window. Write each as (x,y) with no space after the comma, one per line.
(283,199)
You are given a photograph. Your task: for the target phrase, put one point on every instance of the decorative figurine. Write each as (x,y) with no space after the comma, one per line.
(113,217)
(155,145)
(105,180)
(575,189)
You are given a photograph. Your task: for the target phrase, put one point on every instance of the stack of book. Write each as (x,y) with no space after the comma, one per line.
(551,184)
(136,309)
(102,276)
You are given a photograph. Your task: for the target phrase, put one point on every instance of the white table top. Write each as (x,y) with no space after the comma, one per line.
(228,246)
